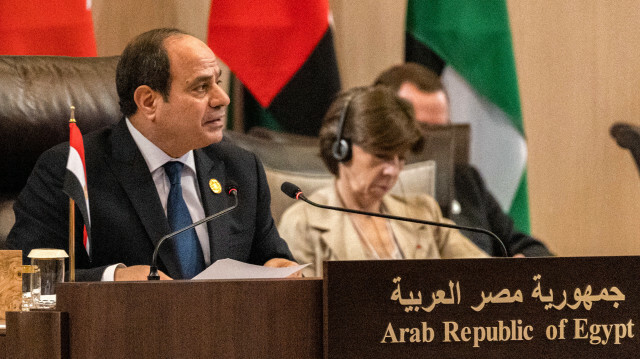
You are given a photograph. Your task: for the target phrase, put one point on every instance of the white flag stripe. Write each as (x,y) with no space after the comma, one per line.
(74,164)
(497,148)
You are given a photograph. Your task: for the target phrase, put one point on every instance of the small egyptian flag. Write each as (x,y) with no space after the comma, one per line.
(36,27)
(75,179)
(282,52)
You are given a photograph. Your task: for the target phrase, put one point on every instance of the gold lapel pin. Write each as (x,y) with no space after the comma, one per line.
(215,186)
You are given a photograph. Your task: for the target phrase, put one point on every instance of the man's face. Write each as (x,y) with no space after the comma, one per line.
(429,107)
(194,115)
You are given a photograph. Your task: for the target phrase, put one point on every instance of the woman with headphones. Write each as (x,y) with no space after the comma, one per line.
(364,138)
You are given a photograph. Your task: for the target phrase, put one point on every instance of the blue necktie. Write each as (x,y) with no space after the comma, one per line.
(185,245)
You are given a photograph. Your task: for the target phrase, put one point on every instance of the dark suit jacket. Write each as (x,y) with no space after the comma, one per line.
(480,209)
(127,218)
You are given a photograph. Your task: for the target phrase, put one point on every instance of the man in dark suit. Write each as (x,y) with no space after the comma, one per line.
(174,110)
(474,205)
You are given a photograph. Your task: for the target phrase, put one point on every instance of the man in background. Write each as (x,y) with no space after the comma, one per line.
(164,166)
(478,208)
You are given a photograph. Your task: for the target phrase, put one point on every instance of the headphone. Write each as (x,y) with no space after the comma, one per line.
(341,148)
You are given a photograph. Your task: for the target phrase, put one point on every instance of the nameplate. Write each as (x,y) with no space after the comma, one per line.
(483,308)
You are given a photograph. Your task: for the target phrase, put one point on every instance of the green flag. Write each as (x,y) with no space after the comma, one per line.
(473,40)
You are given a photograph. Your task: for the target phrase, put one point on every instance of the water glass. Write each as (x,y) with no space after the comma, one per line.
(50,262)
(30,286)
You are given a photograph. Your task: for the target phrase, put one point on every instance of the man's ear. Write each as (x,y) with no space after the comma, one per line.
(147,100)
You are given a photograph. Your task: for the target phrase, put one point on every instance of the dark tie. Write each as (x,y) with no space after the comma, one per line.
(185,245)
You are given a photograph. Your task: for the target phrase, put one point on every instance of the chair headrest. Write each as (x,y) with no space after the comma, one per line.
(36,93)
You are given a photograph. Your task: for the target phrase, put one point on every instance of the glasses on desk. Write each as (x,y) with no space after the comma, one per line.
(30,286)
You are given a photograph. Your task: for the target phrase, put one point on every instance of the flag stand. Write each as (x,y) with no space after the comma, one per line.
(72,224)
(75,186)
(72,241)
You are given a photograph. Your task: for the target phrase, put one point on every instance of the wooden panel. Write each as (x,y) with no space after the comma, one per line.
(369,37)
(118,21)
(3,345)
(10,281)
(37,334)
(578,68)
(195,319)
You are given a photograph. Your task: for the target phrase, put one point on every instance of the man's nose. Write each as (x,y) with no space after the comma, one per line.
(219,97)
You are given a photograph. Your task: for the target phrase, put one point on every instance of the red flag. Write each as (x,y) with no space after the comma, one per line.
(75,180)
(265,43)
(36,27)
(282,51)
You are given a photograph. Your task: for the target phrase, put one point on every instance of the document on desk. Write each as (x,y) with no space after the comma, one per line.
(232,269)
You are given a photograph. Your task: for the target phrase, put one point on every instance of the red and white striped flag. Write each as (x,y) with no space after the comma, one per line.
(75,180)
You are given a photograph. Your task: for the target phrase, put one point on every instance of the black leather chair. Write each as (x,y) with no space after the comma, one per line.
(35,95)
(447,145)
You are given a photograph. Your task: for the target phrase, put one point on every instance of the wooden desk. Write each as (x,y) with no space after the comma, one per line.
(535,308)
(3,333)
(190,319)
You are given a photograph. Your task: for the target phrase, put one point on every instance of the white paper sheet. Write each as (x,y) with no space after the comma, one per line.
(232,269)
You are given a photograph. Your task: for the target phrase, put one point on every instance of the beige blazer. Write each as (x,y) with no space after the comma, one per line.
(315,235)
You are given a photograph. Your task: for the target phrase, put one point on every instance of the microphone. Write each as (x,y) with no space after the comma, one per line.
(232,190)
(626,135)
(295,192)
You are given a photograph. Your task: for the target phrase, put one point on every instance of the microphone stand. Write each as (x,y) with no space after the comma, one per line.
(153,271)
(299,195)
